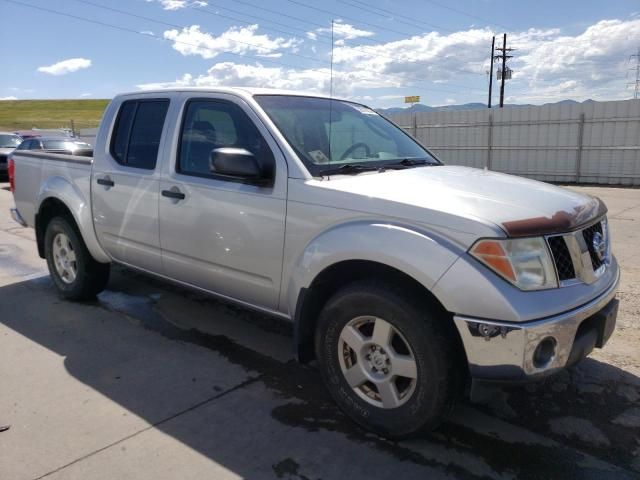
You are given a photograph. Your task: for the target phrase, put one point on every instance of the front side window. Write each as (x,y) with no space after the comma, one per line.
(326,133)
(136,138)
(212,124)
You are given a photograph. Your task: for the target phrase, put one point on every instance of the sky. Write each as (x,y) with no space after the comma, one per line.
(377,52)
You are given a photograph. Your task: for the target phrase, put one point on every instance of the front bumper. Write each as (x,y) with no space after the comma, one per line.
(513,351)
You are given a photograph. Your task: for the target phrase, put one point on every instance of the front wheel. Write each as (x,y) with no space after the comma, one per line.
(387,359)
(75,273)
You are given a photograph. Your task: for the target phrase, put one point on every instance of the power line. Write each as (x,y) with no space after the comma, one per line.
(153,20)
(467,14)
(351,19)
(130,30)
(281,14)
(376,11)
(369,49)
(359,48)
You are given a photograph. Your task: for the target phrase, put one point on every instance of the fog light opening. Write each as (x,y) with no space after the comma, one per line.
(544,353)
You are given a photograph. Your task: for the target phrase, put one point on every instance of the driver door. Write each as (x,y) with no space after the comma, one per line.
(216,232)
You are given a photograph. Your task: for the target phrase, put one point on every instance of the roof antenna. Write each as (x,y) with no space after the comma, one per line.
(331,95)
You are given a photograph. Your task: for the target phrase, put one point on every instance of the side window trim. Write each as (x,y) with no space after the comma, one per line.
(137,102)
(125,160)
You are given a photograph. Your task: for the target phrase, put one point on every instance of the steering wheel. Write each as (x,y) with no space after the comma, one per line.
(354,147)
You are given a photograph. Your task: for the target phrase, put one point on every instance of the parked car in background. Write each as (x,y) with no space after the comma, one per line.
(8,143)
(36,132)
(63,145)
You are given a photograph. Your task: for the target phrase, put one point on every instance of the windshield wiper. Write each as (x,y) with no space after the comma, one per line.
(348,169)
(410,162)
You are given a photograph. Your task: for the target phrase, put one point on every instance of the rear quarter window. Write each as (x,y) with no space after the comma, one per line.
(137,132)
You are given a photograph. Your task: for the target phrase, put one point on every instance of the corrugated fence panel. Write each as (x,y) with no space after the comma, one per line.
(592,142)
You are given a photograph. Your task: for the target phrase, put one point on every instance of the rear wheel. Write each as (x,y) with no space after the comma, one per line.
(76,275)
(387,360)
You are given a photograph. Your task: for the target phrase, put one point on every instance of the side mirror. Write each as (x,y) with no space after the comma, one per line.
(239,163)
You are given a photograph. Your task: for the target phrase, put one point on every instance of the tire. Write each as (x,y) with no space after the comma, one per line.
(81,277)
(418,332)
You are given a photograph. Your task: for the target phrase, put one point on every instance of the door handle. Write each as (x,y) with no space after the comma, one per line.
(107,182)
(175,194)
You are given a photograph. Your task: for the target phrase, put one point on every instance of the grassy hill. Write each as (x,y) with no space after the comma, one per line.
(26,114)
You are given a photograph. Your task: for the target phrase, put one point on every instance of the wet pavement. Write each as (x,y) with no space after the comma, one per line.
(155,381)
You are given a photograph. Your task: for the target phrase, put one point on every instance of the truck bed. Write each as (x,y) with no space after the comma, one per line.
(37,171)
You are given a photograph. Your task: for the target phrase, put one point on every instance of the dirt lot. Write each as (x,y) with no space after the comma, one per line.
(154,382)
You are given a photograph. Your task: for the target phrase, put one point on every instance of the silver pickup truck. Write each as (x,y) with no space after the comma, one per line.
(403,277)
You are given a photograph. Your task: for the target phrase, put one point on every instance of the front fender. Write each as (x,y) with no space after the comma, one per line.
(422,255)
(78,204)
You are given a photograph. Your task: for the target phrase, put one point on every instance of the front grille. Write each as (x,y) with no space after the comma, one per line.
(562,258)
(588,234)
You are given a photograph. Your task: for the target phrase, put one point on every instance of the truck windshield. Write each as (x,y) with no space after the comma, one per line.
(10,141)
(329,134)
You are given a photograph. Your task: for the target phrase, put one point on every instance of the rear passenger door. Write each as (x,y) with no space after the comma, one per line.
(125,184)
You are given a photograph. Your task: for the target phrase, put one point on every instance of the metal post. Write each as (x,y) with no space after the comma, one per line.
(489,141)
(504,66)
(579,151)
(493,49)
(415,125)
(73,129)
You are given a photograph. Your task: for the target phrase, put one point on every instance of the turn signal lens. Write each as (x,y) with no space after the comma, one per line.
(11,171)
(525,262)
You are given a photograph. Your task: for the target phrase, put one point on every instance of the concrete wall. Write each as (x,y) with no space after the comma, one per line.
(595,142)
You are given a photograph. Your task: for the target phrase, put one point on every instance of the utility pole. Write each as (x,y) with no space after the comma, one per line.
(505,73)
(636,84)
(493,51)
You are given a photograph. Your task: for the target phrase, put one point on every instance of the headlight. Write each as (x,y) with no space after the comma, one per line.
(525,262)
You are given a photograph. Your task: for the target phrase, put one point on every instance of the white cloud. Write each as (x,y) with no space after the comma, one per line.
(66,66)
(234,74)
(178,4)
(193,41)
(549,65)
(309,80)
(8,98)
(341,31)
(84,95)
(587,65)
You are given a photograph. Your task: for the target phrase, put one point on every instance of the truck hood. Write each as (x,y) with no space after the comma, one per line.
(521,207)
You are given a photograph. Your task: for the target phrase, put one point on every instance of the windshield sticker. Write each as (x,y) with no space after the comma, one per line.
(362,109)
(318,156)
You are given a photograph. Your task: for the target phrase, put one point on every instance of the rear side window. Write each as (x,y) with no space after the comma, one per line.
(136,138)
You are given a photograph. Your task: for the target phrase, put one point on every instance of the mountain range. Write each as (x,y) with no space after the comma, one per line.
(419,107)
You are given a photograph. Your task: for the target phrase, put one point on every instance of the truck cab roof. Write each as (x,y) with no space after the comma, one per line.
(242,91)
